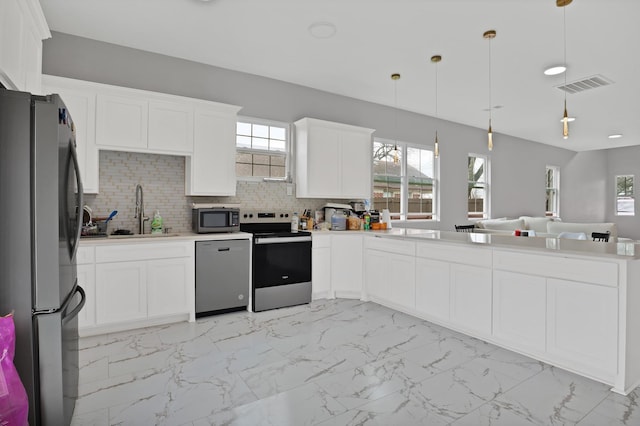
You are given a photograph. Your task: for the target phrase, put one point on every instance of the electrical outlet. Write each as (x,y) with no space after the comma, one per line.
(289,189)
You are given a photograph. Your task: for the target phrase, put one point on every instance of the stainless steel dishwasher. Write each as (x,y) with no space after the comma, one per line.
(223,279)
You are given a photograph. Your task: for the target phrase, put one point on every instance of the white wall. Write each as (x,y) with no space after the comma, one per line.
(518,166)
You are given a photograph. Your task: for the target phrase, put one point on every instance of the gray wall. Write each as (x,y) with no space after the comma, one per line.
(517,165)
(623,161)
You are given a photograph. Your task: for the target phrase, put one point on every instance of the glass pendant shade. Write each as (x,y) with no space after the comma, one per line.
(436,149)
(565,122)
(490,137)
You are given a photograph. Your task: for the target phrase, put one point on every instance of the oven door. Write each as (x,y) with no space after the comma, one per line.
(281,261)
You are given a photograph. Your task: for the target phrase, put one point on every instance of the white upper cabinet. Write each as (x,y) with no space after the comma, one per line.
(80,100)
(333,160)
(122,121)
(22,29)
(211,170)
(170,126)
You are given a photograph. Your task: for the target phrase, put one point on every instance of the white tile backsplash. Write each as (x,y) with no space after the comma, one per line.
(162,179)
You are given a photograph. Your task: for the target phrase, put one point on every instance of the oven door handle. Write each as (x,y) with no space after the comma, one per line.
(282,240)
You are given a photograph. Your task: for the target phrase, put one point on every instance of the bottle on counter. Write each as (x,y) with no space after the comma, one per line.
(295,222)
(367,221)
(156,223)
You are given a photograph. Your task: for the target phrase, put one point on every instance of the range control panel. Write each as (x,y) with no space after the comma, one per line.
(257,216)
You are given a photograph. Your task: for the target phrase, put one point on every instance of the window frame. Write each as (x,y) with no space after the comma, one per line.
(617,196)
(486,211)
(404,214)
(556,188)
(287,153)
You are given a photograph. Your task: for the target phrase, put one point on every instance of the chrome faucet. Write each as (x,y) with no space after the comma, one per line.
(140,209)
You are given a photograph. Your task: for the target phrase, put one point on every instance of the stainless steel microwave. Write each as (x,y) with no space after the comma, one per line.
(215,219)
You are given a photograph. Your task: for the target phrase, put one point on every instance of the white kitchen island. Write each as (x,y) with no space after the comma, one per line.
(573,304)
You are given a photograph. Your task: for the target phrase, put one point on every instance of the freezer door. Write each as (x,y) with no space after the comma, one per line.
(58,361)
(56,204)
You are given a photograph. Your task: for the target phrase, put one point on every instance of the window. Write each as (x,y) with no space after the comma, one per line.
(625,201)
(403,180)
(478,187)
(261,149)
(552,188)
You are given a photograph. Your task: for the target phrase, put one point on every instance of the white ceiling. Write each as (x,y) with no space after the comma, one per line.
(376,38)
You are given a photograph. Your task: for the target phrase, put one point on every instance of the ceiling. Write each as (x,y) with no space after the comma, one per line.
(375,38)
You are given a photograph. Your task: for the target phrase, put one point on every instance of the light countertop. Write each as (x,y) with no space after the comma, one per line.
(171,237)
(620,250)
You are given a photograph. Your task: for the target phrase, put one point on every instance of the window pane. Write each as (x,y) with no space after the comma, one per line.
(277,160)
(261,159)
(243,157)
(277,133)
(243,169)
(419,162)
(261,171)
(243,142)
(476,169)
(477,202)
(260,131)
(260,143)
(625,201)
(276,145)
(243,129)
(277,171)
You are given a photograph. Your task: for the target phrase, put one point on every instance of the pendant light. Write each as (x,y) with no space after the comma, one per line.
(565,116)
(489,35)
(395,77)
(436,149)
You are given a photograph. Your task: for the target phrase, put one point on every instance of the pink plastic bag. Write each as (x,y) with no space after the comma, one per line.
(14,405)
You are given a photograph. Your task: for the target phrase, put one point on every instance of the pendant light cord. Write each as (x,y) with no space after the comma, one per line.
(490,112)
(564,31)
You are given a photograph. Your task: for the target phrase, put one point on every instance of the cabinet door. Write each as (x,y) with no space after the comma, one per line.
(346,265)
(170,127)
(121,292)
(323,158)
(582,326)
(82,106)
(355,164)
(87,280)
(376,274)
(519,310)
(433,288)
(401,279)
(121,121)
(167,290)
(211,170)
(471,298)
(321,272)
(12,30)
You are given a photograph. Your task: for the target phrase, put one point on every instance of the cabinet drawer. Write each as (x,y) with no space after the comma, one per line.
(588,271)
(390,245)
(128,252)
(85,255)
(475,256)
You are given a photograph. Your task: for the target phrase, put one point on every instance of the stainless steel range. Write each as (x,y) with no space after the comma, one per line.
(281,260)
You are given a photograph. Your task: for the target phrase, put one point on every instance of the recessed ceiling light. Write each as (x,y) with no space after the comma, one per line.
(569,119)
(615,136)
(555,70)
(322,29)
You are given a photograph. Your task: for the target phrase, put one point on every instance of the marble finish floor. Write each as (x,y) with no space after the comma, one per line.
(333,362)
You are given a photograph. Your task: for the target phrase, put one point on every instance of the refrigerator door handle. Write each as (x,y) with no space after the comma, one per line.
(74,157)
(69,316)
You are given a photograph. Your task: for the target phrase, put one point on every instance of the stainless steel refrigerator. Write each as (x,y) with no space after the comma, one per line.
(40,222)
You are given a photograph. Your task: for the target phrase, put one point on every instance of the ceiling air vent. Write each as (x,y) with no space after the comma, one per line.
(585,84)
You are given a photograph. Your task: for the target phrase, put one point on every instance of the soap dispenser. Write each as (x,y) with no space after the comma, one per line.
(156,223)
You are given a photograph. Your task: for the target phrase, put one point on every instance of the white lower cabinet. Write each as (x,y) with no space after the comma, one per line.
(375,273)
(121,292)
(391,278)
(582,328)
(471,298)
(519,310)
(321,267)
(167,293)
(346,265)
(133,285)
(433,289)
